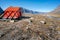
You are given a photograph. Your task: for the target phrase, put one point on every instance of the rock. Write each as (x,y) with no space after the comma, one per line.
(12,21)
(43,22)
(58,32)
(31,18)
(1,34)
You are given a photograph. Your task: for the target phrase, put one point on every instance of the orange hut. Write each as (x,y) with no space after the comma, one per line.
(12,13)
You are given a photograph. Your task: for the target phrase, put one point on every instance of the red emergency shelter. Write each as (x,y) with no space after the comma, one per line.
(12,13)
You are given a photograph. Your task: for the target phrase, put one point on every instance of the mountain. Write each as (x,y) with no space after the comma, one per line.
(27,11)
(1,11)
(24,10)
(56,11)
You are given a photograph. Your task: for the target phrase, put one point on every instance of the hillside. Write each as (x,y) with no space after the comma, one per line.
(55,12)
(36,27)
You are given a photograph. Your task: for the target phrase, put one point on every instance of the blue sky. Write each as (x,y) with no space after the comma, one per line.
(35,5)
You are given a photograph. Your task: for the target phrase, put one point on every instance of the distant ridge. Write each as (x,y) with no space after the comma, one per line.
(27,11)
(24,10)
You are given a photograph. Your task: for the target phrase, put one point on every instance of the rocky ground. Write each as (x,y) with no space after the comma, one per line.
(37,27)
